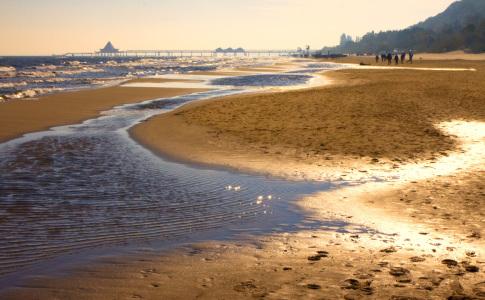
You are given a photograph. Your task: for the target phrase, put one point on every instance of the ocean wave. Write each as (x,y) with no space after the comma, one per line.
(31,93)
(7,74)
(22,76)
(7,69)
(12,84)
(77,71)
(41,74)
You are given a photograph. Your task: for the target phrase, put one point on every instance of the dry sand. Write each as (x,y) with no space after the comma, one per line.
(418,236)
(455,55)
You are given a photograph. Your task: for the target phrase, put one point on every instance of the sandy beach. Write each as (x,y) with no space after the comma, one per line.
(38,114)
(407,146)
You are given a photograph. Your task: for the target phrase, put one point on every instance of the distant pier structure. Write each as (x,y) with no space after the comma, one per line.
(110,51)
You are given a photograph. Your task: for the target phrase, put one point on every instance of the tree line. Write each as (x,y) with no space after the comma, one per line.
(453,36)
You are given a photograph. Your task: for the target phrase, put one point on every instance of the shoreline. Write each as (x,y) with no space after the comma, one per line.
(19,117)
(394,255)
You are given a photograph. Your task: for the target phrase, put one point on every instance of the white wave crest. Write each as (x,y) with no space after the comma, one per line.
(12,84)
(7,69)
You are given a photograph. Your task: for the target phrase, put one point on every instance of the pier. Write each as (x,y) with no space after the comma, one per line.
(110,51)
(180,53)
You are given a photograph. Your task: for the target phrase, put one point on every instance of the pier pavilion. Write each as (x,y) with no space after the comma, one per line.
(108,50)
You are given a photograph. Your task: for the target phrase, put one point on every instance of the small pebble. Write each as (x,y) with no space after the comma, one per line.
(417,259)
(313,286)
(398,271)
(472,269)
(449,262)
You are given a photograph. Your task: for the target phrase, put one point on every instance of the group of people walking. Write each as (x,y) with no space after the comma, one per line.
(389,58)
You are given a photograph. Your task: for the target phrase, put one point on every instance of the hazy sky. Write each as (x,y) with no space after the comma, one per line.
(34,27)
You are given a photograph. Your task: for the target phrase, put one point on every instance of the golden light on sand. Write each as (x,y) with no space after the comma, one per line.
(417,232)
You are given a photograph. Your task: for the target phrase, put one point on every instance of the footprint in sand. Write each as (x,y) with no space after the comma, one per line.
(363,287)
(148,272)
(206,282)
(249,288)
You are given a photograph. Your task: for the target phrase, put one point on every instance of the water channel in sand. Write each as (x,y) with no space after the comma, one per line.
(77,188)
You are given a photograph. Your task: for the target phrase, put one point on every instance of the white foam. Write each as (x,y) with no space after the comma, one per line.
(6,69)
(12,84)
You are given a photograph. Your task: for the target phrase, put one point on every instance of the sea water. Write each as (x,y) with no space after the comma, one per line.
(82,188)
(31,76)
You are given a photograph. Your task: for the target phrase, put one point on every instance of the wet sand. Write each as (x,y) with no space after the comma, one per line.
(37,114)
(417,234)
